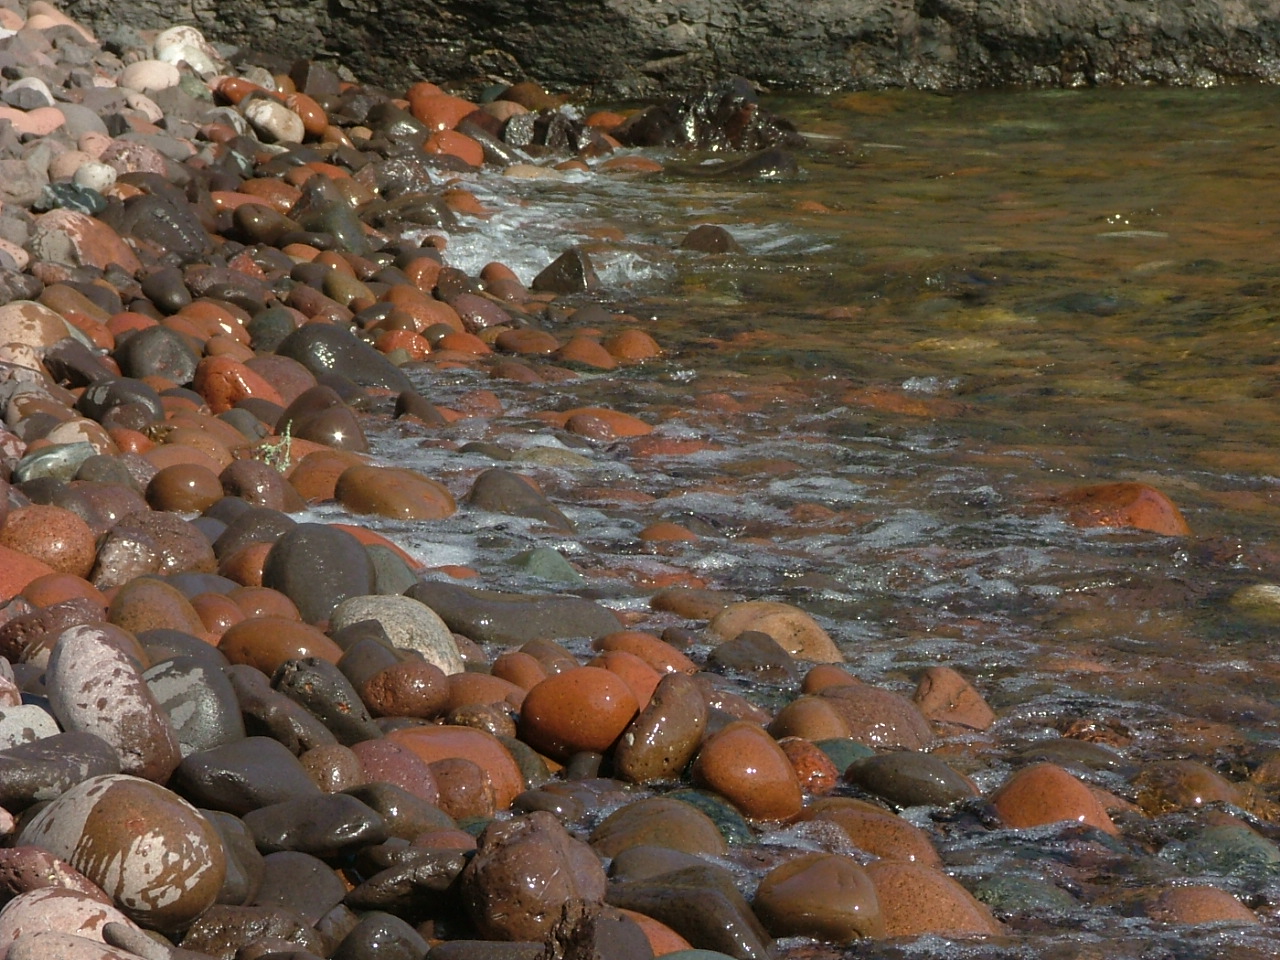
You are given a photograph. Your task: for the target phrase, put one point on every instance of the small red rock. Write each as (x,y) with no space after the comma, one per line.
(581,709)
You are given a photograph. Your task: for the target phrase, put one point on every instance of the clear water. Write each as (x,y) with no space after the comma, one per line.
(967,305)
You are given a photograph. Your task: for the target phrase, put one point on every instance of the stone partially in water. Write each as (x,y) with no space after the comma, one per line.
(910,779)
(1045,793)
(746,766)
(488,616)
(1133,505)
(916,899)
(820,895)
(794,630)
(661,741)
(160,861)
(661,822)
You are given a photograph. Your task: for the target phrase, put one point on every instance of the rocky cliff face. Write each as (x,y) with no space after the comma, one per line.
(626,48)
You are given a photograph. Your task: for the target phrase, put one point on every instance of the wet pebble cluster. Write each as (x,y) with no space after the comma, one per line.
(228,732)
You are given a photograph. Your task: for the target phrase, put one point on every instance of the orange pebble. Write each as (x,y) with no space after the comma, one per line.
(224,382)
(455,144)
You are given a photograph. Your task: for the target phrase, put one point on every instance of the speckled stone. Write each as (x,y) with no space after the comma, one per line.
(916,899)
(52,535)
(1045,793)
(159,860)
(56,909)
(409,624)
(95,687)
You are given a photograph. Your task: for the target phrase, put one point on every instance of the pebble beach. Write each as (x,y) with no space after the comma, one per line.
(246,714)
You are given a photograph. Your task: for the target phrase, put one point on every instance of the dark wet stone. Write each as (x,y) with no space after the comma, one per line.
(659,821)
(502,491)
(178,545)
(726,116)
(321,688)
(404,814)
(710,238)
(410,403)
(72,364)
(487,616)
(728,820)
(644,862)
(755,654)
(231,286)
(773,163)
(662,740)
(478,313)
(383,936)
(243,776)
(324,209)
(589,931)
(297,882)
(324,348)
(26,635)
(844,750)
(200,703)
(419,882)
(167,290)
(270,713)
(103,395)
(326,825)
(317,567)
(166,224)
(256,483)
(70,196)
(320,415)
(909,779)
(268,328)
(250,525)
(703,905)
(223,930)
(571,272)
(486,950)
(391,575)
(47,768)
(259,223)
(1070,752)
(244,861)
(166,644)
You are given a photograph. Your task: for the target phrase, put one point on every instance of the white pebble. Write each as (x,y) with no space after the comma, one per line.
(150,75)
(273,121)
(185,44)
(95,176)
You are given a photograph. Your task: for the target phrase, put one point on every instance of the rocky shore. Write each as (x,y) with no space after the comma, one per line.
(229,728)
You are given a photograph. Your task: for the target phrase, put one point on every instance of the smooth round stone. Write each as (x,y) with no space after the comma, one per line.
(159,860)
(143,75)
(465,791)
(25,723)
(68,236)
(746,766)
(1182,785)
(523,873)
(268,642)
(880,718)
(820,895)
(319,686)
(1133,505)
(662,740)
(1045,793)
(385,761)
(944,696)
(24,869)
(148,604)
(56,909)
(274,714)
(96,176)
(51,535)
(1226,849)
(658,822)
(333,767)
(582,709)
(225,930)
(273,121)
(319,414)
(489,616)
(727,818)
(180,547)
(910,779)
(95,687)
(186,44)
(317,567)
(409,689)
(502,491)
(258,484)
(813,718)
(326,825)
(916,900)
(157,352)
(409,624)
(818,773)
(754,654)
(324,348)
(1195,905)
(199,701)
(184,488)
(248,525)
(794,630)
(406,815)
(384,936)
(875,831)
(300,883)
(46,768)
(432,743)
(31,323)
(55,945)
(244,775)
(395,492)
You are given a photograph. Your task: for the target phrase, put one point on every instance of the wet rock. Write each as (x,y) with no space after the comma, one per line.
(661,741)
(523,873)
(659,822)
(164,877)
(320,687)
(916,899)
(488,616)
(47,768)
(95,687)
(199,701)
(794,630)
(52,535)
(821,895)
(723,117)
(710,238)
(1199,904)
(1133,505)
(409,624)
(502,491)
(404,814)
(746,766)
(875,831)
(224,929)
(399,493)
(571,272)
(755,654)
(944,696)
(431,743)
(243,776)
(1182,785)
(703,905)
(271,713)
(56,909)
(317,567)
(152,604)
(24,869)
(381,935)
(1228,850)
(582,709)
(880,718)
(324,348)
(319,415)
(587,931)
(1045,793)
(910,779)
(326,825)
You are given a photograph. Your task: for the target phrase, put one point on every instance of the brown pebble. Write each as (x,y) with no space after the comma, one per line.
(464,789)
(267,642)
(1199,904)
(586,708)
(411,688)
(944,696)
(184,487)
(51,535)
(875,830)
(746,766)
(1045,793)
(821,895)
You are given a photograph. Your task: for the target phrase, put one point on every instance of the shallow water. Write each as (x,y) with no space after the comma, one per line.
(965,306)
